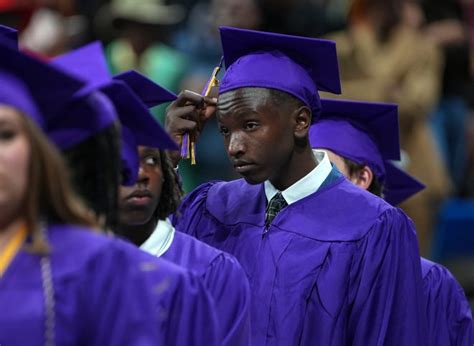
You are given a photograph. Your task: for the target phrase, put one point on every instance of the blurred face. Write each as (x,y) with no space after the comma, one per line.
(257,135)
(14,163)
(137,203)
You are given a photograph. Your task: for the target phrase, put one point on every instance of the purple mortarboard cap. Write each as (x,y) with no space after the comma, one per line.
(9,36)
(138,128)
(363,132)
(129,156)
(399,185)
(91,111)
(89,63)
(33,87)
(299,66)
(149,92)
(134,115)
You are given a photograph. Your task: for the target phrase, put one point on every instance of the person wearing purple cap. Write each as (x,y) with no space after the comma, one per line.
(89,131)
(187,309)
(144,210)
(329,276)
(58,282)
(360,137)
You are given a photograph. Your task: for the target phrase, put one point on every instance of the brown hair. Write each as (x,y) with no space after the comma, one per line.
(50,196)
(171,194)
(353,168)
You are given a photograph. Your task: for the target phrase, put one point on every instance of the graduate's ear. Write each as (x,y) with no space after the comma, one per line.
(363,177)
(302,122)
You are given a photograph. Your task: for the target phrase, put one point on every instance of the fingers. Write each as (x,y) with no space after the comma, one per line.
(186,97)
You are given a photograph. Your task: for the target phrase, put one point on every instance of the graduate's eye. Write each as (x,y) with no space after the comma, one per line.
(224,131)
(251,125)
(7,134)
(151,160)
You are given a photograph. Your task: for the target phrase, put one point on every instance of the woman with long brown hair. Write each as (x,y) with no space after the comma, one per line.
(59,282)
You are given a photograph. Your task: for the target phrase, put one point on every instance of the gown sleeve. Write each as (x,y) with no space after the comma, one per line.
(117,301)
(191,315)
(229,287)
(448,312)
(387,297)
(191,211)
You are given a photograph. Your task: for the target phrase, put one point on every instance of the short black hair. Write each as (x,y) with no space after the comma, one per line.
(277,97)
(281,98)
(95,171)
(172,188)
(375,187)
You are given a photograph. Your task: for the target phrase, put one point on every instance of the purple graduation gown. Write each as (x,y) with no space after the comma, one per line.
(107,292)
(225,280)
(96,299)
(448,312)
(338,267)
(185,309)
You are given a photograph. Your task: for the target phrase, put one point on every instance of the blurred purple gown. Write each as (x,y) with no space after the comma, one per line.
(105,293)
(225,280)
(338,267)
(448,312)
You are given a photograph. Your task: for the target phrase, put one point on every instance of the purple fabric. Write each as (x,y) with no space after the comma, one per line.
(18,96)
(185,309)
(399,185)
(363,132)
(346,140)
(299,66)
(130,158)
(92,113)
(149,92)
(225,280)
(22,79)
(96,294)
(89,63)
(340,266)
(448,312)
(107,292)
(9,36)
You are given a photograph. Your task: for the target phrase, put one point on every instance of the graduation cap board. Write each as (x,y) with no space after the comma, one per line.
(9,36)
(24,77)
(299,66)
(363,132)
(399,185)
(151,93)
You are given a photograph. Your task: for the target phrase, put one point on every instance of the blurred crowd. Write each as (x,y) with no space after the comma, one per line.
(416,53)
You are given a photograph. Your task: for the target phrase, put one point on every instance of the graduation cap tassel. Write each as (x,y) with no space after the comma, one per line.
(188,147)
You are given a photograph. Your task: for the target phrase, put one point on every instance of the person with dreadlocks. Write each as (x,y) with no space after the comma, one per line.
(361,138)
(183,324)
(144,211)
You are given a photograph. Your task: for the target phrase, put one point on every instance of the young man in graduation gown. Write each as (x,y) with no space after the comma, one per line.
(326,260)
(360,138)
(144,209)
(184,303)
